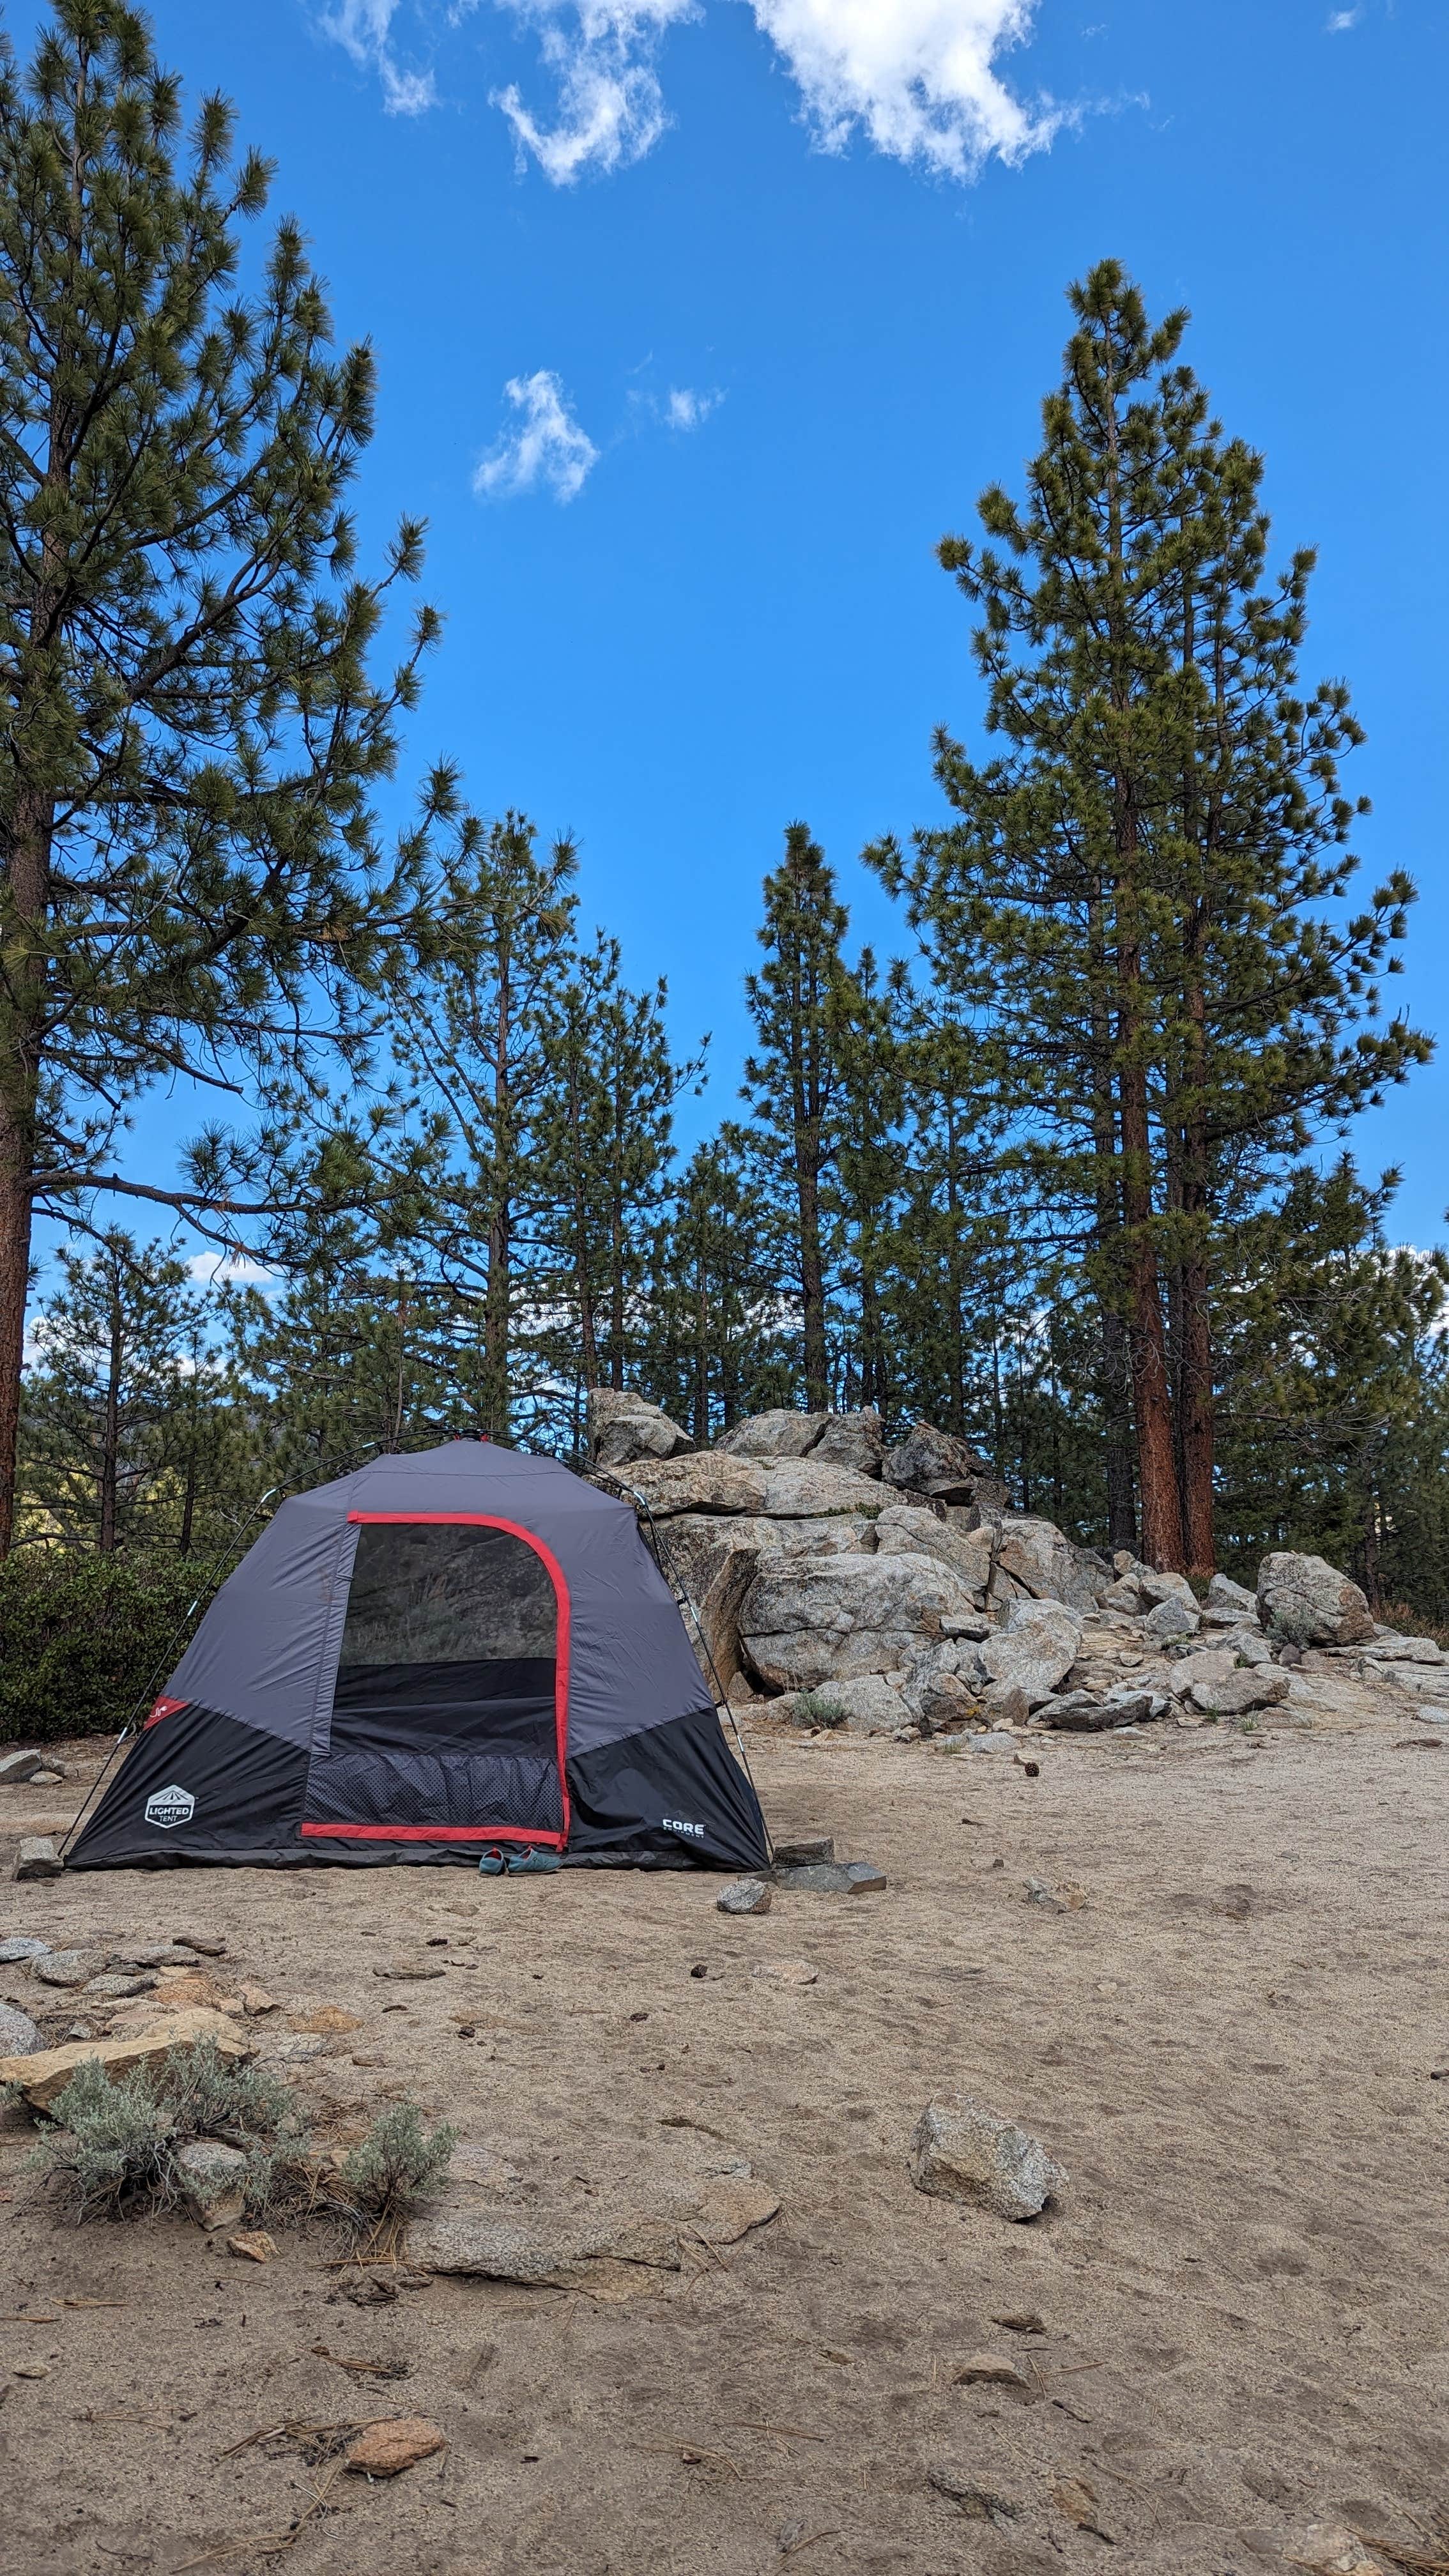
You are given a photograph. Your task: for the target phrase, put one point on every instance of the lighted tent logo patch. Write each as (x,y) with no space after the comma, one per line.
(171,1806)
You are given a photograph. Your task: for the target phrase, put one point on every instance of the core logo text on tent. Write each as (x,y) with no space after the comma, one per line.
(672,1825)
(171,1806)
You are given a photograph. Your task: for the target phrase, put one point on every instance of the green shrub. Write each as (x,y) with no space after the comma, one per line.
(817,1708)
(111,2148)
(396,2164)
(83,1637)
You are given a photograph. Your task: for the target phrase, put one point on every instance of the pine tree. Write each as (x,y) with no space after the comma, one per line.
(604,1142)
(1330,1368)
(188,865)
(126,1402)
(1135,911)
(719,1331)
(793,1076)
(473,1033)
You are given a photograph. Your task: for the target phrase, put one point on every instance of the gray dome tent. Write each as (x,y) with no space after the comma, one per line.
(443,1654)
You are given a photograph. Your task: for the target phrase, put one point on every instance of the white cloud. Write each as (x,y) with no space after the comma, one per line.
(685,409)
(364,29)
(235,1269)
(1340,20)
(602,53)
(919,78)
(917,75)
(545,446)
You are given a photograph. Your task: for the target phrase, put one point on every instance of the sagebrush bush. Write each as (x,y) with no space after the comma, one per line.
(396,2164)
(83,1637)
(112,2146)
(817,1708)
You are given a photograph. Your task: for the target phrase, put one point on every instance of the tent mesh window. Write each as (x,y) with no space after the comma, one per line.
(444,1706)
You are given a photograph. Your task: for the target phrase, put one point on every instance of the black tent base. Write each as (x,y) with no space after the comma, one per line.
(202,1790)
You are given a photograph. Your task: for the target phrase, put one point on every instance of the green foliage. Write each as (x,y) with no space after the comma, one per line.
(817,1708)
(83,1637)
(396,2165)
(110,2149)
(125,1433)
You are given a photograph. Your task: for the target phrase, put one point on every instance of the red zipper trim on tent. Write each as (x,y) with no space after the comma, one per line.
(483,1833)
(435,1834)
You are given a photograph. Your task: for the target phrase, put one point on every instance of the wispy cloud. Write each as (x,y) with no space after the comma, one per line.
(544,448)
(610,106)
(686,409)
(364,30)
(1340,20)
(920,79)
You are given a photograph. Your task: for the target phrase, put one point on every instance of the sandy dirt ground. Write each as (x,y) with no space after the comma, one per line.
(1229,2040)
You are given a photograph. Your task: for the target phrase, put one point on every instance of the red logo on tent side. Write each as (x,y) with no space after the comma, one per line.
(164,1708)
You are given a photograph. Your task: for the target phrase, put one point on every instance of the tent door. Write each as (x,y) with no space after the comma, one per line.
(449,1713)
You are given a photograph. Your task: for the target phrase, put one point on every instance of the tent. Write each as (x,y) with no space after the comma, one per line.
(461,1652)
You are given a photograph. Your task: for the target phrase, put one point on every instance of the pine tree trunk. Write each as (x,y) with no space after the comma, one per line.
(1116,1375)
(812,1282)
(22,972)
(1197,1421)
(111,1430)
(498,1297)
(1117,1412)
(1151,1392)
(15,1221)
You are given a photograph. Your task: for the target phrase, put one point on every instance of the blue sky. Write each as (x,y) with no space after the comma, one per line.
(776,286)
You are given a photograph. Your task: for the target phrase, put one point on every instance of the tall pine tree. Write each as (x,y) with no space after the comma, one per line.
(190,729)
(1136,910)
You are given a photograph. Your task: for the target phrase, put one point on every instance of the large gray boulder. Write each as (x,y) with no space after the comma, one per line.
(1304,1601)
(810,1621)
(936,1463)
(907,1530)
(705,1482)
(713,1557)
(853,1440)
(1036,1648)
(1042,1559)
(800,1488)
(1223,1594)
(1236,1693)
(782,1434)
(623,1426)
(868,1705)
(1172,1617)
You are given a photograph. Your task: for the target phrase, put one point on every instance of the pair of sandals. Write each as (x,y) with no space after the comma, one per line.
(522,1863)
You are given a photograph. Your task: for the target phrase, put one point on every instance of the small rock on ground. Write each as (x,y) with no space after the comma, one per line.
(211,1945)
(18,2034)
(252,2244)
(20,1765)
(744,1896)
(38,1858)
(806,1848)
(786,1972)
(119,1986)
(961,2150)
(406,1969)
(384,2450)
(213,2175)
(20,1947)
(62,1968)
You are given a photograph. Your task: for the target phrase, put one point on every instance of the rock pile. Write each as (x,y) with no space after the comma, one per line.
(893,1590)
